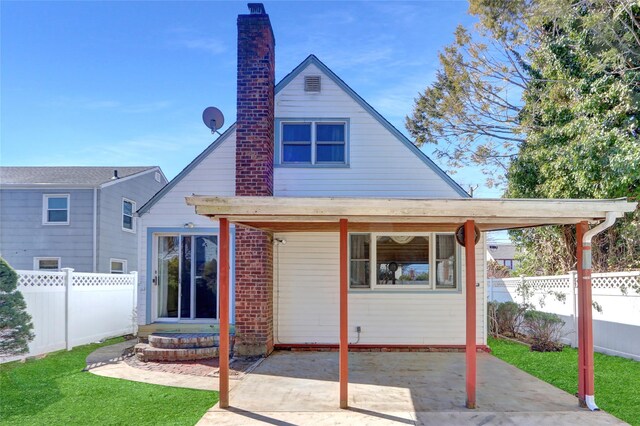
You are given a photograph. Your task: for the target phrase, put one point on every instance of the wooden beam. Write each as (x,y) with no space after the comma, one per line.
(344,315)
(298,224)
(224,313)
(470,285)
(347,207)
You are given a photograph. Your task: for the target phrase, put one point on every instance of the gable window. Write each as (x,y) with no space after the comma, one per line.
(46,263)
(118,266)
(313,142)
(296,143)
(426,261)
(55,209)
(128,222)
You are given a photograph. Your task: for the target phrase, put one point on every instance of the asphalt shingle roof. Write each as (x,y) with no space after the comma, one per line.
(65,175)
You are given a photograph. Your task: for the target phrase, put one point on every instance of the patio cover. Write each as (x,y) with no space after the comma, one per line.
(297,214)
(343,215)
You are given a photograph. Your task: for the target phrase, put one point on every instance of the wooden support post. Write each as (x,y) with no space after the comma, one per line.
(581,228)
(224,313)
(470,284)
(344,327)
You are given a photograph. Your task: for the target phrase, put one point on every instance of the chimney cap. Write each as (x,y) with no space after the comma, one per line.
(257,9)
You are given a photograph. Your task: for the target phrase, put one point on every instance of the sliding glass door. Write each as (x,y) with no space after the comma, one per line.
(187,277)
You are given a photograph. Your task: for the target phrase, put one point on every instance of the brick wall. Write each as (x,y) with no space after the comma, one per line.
(255,103)
(254,292)
(254,177)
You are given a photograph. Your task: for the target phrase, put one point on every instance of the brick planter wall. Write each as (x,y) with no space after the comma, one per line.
(254,177)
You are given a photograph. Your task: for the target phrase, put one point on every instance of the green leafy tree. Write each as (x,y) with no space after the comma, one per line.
(543,95)
(584,111)
(15,322)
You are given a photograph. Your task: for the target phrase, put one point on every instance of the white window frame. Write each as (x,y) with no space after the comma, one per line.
(314,143)
(124,266)
(373,263)
(45,208)
(36,263)
(133,215)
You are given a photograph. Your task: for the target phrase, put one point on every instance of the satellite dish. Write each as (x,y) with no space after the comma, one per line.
(213,118)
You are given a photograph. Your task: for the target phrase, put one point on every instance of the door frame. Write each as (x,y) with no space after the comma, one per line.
(152,289)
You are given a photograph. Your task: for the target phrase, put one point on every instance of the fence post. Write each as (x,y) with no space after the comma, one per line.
(68,283)
(573,278)
(135,302)
(523,289)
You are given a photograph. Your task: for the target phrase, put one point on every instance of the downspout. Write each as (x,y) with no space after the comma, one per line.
(610,219)
(95,230)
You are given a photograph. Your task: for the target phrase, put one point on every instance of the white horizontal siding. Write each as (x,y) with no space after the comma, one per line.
(214,175)
(380,164)
(306,298)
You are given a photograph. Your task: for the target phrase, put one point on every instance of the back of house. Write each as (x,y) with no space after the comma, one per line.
(73,217)
(310,135)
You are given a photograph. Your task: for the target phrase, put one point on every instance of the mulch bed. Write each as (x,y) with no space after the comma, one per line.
(204,367)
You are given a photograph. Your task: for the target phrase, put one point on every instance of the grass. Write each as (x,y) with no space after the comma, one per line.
(617,380)
(55,391)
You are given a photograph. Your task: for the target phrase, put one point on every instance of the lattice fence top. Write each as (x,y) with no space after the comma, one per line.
(621,281)
(548,283)
(55,279)
(609,280)
(40,279)
(86,279)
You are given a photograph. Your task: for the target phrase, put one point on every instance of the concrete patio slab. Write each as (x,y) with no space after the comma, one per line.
(395,388)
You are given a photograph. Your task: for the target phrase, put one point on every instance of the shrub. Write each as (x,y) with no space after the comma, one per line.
(509,318)
(545,331)
(15,322)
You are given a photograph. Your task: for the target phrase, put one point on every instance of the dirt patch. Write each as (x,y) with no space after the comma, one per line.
(203,367)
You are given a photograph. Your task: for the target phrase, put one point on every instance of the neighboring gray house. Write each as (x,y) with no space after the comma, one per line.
(74,217)
(504,254)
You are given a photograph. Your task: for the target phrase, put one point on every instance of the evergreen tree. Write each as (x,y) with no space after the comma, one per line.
(15,323)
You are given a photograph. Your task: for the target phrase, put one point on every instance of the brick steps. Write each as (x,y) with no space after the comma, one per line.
(145,352)
(179,347)
(183,341)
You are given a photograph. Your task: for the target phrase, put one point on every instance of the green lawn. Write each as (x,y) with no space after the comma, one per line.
(55,391)
(617,380)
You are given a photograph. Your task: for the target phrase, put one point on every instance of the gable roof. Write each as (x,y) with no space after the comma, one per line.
(204,154)
(83,176)
(312,59)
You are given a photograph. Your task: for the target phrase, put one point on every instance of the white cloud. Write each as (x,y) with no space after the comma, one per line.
(107,104)
(187,38)
(208,44)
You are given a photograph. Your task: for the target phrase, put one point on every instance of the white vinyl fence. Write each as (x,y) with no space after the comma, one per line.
(74,308)
(616,321)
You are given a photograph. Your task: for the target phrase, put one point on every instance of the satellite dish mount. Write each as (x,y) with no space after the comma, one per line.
(213,119)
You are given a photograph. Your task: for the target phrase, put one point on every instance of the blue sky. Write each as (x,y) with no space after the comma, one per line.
(125,83)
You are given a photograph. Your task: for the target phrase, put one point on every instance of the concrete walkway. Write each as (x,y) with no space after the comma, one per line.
(299,388)
(108,361)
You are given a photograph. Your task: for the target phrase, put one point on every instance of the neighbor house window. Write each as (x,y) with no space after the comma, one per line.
(128,208)
(118,266)
(314,142)
(55,209)
(403,261)
(46,263)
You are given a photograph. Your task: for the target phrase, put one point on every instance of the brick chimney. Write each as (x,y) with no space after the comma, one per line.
(254,177)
